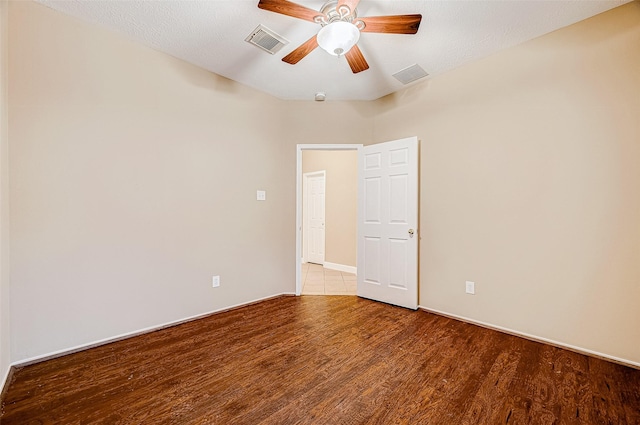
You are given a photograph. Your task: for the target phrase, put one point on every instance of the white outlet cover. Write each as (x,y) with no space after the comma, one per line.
(261,195)
(215,281)
(470,287)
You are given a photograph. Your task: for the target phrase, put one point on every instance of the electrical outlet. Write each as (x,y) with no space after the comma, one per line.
(470,287)
(215,281)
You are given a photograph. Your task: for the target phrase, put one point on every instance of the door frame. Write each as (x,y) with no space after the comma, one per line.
(305,217)
(299,149)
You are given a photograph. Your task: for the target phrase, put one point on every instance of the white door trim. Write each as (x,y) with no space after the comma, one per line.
(299,149)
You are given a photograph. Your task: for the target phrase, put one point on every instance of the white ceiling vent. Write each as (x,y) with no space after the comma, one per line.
(410,74)
(266,39)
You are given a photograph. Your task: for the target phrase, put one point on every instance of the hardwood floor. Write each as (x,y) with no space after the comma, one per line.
(324,360)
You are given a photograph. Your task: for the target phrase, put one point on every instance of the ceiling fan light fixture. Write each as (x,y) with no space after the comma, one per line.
(338,37)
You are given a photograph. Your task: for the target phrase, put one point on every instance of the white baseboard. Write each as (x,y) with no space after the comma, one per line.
(535,338)
(5,381)
(340,267)
(82,347)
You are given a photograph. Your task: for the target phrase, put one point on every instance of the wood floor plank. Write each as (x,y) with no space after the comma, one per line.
(324,360)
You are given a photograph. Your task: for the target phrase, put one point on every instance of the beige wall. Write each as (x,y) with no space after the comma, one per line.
(340,201)
(133,179)
(530,185)
(329,122)
(5,341)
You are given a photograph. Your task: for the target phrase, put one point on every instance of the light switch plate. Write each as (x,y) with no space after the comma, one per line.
(261,195)
(470,287)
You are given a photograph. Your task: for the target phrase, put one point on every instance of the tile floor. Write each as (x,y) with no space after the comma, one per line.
(316,280)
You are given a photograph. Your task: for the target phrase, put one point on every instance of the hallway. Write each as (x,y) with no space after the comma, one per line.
(317,280)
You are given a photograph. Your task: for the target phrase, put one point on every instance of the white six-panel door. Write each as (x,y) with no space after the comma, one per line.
(387,222)
(315,215)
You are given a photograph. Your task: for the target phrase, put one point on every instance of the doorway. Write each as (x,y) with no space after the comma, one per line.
(387,232)
(334,265)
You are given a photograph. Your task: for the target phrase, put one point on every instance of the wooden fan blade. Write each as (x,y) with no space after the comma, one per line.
(396,24)
(298,54)
(352,4)
(289,8)
(356,60)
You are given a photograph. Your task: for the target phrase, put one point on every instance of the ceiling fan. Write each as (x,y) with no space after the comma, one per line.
(341,28)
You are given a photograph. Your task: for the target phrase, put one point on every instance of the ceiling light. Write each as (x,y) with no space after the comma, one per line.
(338,37)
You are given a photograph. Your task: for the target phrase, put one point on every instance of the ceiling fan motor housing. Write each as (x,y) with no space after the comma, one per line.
(331,13)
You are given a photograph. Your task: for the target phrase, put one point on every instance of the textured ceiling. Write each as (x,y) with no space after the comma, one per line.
(211,33)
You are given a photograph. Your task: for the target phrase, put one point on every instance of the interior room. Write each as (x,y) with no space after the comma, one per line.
(129,179)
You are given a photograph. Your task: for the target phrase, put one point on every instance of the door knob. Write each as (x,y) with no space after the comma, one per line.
(411,232)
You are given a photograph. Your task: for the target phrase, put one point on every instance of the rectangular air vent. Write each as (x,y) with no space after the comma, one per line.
(266,39)
(410,74)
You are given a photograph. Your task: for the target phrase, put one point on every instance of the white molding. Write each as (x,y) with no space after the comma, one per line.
(329,147)
(340,267)
(299,149)
(579,350)
(82,347)
(5,378)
